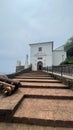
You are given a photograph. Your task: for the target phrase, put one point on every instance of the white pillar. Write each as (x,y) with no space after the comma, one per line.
(18,63)
(26,62)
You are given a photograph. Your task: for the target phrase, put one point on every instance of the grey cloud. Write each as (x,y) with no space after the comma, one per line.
(26,21)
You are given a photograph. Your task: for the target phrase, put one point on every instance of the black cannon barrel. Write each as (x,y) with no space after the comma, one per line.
(8,86)
(10,81)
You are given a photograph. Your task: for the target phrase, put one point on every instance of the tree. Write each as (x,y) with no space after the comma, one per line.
(69,47)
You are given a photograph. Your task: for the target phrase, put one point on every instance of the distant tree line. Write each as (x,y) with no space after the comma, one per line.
(68,47)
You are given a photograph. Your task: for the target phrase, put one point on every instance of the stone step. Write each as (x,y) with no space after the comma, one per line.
(45,112)
(8,105)
(40,101)
(42,75)
(22,126)
(48,93)
(39,80)
(30,77)
(35,75)
(43,85)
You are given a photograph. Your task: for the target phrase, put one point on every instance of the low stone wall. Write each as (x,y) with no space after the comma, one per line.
(66,80)
(19,68)
(20,72)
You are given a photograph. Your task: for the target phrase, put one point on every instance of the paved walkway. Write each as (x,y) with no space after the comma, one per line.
(41,101)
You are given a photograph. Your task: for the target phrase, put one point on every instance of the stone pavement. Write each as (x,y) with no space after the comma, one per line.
(41,104)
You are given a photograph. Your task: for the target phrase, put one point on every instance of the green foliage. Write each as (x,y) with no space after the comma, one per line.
(70,52)
(68,60)
(69,47)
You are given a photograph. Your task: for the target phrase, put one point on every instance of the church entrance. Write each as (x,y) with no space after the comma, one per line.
(39,65)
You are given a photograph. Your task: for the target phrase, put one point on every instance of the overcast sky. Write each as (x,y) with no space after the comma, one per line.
(28,21)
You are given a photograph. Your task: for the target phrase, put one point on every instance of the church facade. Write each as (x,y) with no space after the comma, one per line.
(43,55)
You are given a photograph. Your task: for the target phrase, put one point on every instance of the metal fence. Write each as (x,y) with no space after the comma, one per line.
(62,69)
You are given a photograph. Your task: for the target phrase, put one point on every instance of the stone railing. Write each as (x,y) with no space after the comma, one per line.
(62,73)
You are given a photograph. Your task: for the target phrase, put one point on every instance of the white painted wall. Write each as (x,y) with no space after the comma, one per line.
(60,48)
(49,56)
(58,56)
(46,54)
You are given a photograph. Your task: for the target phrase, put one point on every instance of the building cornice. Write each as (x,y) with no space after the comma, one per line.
(50,42)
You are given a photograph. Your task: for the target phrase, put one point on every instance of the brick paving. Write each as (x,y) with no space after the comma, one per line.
(41,101)
(65,94)
(45,109)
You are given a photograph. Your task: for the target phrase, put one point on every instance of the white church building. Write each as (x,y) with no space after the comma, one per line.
(43,55)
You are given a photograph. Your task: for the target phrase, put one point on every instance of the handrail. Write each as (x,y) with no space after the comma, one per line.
(61,69)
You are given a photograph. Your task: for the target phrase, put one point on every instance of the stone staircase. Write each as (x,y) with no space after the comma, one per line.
(40,101)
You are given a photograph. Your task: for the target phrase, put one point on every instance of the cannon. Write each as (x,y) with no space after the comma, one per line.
(8,86)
